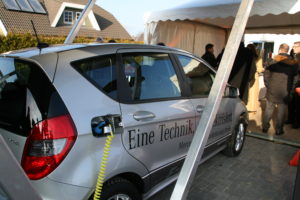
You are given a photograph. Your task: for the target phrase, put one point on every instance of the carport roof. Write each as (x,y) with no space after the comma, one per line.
(274,16)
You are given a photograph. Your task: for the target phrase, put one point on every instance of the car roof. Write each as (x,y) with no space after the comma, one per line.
(31,52)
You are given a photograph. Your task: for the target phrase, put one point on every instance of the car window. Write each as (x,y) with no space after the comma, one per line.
(100,71)
(12,94)
(150,76)
(199,77)
(25,96)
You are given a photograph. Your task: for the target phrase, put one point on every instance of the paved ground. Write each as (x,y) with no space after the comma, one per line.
(255,125)
(261,172)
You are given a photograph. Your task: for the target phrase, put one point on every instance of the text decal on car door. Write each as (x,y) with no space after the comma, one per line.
(138,138)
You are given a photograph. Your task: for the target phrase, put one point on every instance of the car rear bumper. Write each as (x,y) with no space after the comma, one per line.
(49,189)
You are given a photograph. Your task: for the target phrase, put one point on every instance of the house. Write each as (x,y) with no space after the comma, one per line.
(56,18)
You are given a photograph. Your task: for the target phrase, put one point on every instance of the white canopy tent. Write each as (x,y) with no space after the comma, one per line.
(209,21)
(191,26)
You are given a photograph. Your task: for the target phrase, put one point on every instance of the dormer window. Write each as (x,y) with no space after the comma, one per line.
(69,13)
(68,17)
(77,17)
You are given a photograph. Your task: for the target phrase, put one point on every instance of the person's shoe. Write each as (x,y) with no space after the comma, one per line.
(264,130)
(281,132)
(296,126)
(288,122)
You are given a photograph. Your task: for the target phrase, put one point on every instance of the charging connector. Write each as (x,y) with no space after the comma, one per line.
(103,125)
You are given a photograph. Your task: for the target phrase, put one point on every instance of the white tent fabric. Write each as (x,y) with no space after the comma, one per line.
(195,22)
(222,12)
(185,35)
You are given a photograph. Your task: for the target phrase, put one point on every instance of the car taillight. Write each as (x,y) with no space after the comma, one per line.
(47,145)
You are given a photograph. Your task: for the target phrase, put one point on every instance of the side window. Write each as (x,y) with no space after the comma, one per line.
(199,77)
(13,79)
(150,76)
(100,71)
(25,96)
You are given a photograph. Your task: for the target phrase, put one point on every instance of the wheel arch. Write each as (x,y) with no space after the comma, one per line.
(133,178)
(240,112)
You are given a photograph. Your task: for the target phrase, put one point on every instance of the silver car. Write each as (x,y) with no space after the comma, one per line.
(56,102)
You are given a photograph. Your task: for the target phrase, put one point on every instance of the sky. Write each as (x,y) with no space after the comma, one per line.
(130,13)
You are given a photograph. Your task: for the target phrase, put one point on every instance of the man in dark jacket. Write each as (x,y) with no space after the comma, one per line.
(209,56)
(296,110)
(241,70)
(279,79)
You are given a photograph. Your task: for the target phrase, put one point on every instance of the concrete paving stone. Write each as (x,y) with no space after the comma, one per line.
(251,173)
(199,185)
(222,183)
(261,171)
(233,197)
(245,198)
(210,187)
(221,195)
(236,190)
(287,188)
(203,196)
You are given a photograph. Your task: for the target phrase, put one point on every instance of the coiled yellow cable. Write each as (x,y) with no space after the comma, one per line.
(103,163)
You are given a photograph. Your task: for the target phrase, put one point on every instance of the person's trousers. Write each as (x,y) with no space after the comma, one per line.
(281,108)
(291,110)
(297,111)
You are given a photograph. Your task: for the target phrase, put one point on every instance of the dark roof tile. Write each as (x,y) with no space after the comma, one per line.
(19,22)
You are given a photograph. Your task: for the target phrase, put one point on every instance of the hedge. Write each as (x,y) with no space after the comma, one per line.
(20,41)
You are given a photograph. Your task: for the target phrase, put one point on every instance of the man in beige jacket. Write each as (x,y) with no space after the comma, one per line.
(279,79)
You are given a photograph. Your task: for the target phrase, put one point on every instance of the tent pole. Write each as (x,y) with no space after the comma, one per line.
(13,180)
(196,149)
(79,22)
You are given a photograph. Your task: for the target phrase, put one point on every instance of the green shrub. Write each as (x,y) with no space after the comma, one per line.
(21,41)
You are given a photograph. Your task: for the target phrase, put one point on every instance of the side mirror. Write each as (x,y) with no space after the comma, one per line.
(231,92)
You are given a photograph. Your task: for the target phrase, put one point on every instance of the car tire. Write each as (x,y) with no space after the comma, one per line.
(237,139)
(119,189)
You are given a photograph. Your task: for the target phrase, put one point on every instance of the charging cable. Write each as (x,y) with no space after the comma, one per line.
(103,163)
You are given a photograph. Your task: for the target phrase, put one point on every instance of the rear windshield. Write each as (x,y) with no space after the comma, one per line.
(101,72)
(26,96)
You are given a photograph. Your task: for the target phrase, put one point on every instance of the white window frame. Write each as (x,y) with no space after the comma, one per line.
(91,16)
(69,12)
(77,14)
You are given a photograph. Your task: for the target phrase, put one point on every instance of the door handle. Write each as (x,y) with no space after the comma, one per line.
(199,108)
(142,115)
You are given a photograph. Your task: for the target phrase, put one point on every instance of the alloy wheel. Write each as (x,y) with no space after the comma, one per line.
(240,137)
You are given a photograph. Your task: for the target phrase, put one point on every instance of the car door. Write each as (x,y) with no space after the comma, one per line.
(199,78)
(158,121)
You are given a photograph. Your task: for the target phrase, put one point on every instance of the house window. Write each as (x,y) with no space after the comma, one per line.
(78,15)
(68,17)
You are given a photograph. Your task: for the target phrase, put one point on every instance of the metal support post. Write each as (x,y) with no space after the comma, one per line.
(196,149)
(13,181)
(79,22)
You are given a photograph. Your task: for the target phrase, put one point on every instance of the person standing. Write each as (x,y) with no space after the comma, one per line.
(296,121)
(241,69)
(219,57)
(279,79)
(209,56)
(99,40)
